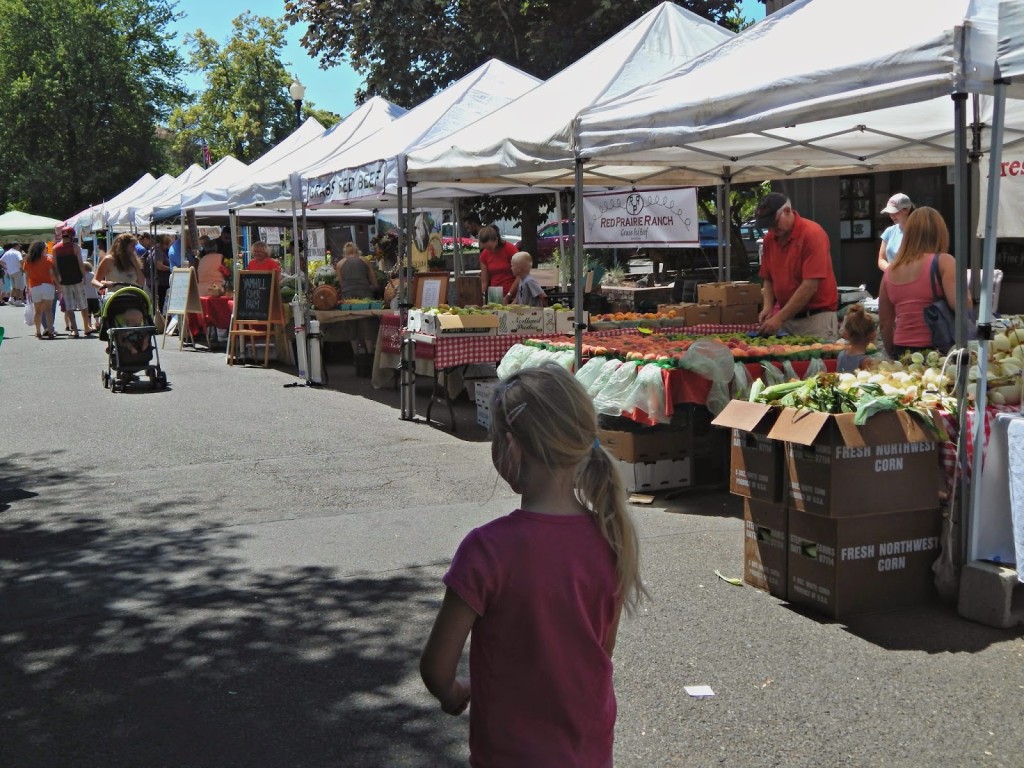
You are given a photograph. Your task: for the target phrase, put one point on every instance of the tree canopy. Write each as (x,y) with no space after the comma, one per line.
(84,86)
(408,50)
(245,109)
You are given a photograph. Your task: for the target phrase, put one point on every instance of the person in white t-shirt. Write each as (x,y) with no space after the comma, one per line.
(12,259)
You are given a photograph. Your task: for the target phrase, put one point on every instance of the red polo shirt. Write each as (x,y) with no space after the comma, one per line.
(805,255)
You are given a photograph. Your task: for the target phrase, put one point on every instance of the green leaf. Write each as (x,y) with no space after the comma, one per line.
(734,582)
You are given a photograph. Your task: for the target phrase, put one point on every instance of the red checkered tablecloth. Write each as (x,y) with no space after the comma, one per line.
(466,349)
(947,450)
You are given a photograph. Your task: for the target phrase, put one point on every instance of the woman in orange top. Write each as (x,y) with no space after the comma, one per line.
(42,281)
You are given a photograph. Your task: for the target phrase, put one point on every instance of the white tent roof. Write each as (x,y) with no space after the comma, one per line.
(207,197)
(225,171)
(124,214)
(1010,45)
(373,169)
(270,185)
(784,99)
(93,216)
(530,140)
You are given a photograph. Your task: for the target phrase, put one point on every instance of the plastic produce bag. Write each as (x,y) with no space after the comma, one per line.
(590,370)
(513,360)
(610,400)
(788,371)
(816,366)
(772,375)
(607,370)
(713,360)
(647,393)
(741,381)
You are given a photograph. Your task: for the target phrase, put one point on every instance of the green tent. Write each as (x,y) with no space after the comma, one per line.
(23,227)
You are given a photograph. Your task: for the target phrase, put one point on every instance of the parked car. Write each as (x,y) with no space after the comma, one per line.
(753,241)
(707,235)
(448,237)
(548,238)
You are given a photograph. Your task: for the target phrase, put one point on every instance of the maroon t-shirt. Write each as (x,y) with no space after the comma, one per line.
(543,588)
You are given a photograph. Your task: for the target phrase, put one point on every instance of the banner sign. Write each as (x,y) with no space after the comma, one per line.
(1011,197)
(666,217)
(350,184)
(316,245)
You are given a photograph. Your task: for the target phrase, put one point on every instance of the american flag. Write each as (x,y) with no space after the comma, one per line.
(207,160)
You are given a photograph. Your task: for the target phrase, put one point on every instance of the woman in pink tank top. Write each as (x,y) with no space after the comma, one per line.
(906,286)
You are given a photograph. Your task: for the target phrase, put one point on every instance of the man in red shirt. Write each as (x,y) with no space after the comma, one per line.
(799,287)
(67,256)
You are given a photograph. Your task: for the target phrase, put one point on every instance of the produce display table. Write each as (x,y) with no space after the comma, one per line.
(216,314)
(950,423)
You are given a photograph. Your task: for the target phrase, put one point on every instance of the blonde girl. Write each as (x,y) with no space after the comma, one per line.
(541,589)
(859,330)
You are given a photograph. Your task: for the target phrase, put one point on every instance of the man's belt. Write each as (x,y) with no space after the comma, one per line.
(810,312)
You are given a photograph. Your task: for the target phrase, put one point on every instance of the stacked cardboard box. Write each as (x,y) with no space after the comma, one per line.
(693,314)
(650,458)
(856,506)
(737,302)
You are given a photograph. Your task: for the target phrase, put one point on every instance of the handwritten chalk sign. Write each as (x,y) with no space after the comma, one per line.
(257,297)
(183,300)
(183,294)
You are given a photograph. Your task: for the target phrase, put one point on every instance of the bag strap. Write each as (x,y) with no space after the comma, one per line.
(936,281)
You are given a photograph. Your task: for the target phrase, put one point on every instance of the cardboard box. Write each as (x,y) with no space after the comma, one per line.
(655,476)
(835,468)
(701,314)
(739,314)
(755,461)
(844,566)
(729,293)
(435,325)
(650,444)
(561,321)
(765,547)
(506,322)
(529,320)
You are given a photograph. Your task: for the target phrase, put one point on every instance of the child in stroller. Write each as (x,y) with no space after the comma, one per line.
(127,327)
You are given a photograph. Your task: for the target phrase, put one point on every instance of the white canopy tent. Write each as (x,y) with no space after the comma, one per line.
(93,217)
(225,171)
(783,99)
(123,215)
(209,198)
(271,184)
(529,141)
(373,171)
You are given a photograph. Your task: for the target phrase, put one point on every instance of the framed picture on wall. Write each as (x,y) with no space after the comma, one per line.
(431,289)
(856,197)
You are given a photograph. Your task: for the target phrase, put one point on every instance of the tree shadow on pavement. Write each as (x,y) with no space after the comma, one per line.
(151,647)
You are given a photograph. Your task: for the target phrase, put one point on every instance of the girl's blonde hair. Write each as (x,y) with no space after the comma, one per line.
(858,325)
(924,233)
(553,419)
(260,246)
(351,249)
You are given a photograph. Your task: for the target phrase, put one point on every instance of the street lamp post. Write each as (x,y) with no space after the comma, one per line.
(297,91)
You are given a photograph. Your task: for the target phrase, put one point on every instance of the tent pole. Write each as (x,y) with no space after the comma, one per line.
(456,238)
(718,223)
(578,265)
(725,220)
(985,312)
(559,214)
(960,250)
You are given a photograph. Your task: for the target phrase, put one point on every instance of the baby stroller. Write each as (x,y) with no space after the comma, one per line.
(127,326)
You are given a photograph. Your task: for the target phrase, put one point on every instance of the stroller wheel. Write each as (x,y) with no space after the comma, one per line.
(105,378)
(163,380)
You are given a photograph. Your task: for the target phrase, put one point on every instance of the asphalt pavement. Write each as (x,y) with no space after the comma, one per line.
(235,572)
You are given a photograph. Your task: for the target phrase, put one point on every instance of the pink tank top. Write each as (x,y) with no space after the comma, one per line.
(910,299)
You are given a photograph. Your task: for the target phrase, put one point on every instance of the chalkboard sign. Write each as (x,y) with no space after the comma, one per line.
(183,294)
(258,298)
